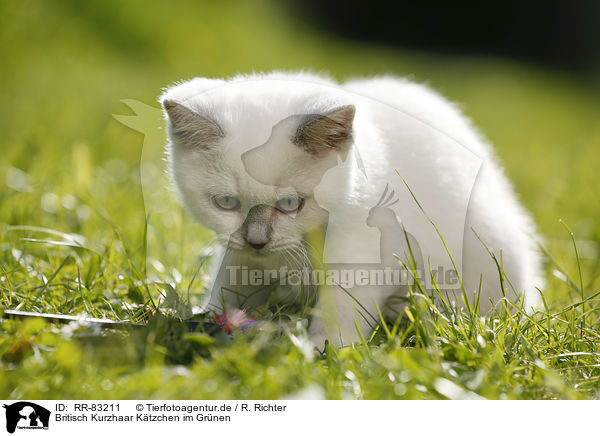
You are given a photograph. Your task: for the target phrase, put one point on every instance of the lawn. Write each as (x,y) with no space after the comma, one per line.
(74,232)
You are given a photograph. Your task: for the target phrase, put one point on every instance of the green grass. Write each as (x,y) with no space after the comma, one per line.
(70,170)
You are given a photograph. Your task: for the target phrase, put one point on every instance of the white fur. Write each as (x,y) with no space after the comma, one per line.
(426,131)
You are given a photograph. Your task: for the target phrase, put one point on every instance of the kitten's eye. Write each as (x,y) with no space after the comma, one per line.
(226,202)
(289,205)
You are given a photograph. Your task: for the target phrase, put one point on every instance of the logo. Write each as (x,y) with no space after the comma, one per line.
(26,415)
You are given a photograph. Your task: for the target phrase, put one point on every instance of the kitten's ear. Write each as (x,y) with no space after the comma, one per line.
(330,132)
(191,128)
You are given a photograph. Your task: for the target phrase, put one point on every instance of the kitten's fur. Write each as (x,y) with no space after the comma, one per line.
(213,122)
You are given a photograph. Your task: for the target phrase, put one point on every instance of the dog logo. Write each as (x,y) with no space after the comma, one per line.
(26,415)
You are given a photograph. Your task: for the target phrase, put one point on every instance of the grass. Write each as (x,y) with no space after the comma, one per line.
(74,232)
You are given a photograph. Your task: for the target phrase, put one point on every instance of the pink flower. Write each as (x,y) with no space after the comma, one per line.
(238,319)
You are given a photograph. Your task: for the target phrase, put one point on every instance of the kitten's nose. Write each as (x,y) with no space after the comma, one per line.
(257,228)
(257,234)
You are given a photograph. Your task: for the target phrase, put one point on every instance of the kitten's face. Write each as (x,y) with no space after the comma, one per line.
(259,198)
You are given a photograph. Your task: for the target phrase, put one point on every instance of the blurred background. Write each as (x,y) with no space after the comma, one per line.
(551,33)
(527,73)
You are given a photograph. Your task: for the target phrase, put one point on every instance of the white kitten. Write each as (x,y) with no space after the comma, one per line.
(306,184)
